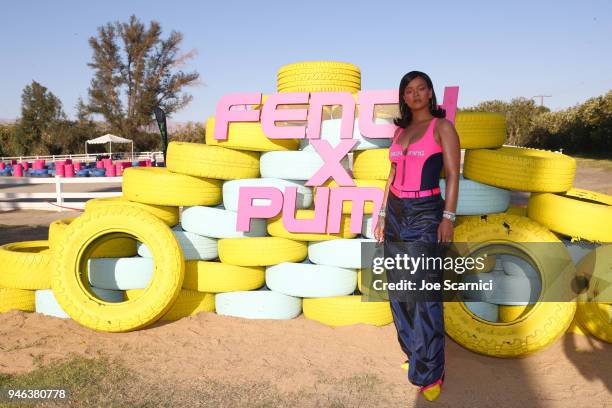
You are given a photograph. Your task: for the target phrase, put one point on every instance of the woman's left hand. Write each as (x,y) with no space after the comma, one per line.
(445,230)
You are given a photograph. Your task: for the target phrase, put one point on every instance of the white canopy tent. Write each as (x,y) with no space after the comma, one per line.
(110,139)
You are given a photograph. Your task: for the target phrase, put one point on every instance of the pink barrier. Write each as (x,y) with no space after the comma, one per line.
(122,166)
(68,161)
(142,163)
(68,170)
(107,162)
(148,163)
(13,162)
(25,165)
(77,166)
(99,164)
(2,165)
(59,169)
(38,165)
(110,171)
(17,170)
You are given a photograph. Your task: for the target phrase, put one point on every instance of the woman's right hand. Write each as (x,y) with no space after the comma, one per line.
(379,231)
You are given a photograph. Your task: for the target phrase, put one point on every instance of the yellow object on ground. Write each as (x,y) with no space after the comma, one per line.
(545,321)
(16,299)
(371,164)
(347,310)
(188,302)
(70,282)
(25,265)
(595,304)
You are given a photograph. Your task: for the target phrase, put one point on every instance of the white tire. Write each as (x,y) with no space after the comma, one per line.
(342,252)
(120,273)
(295,165)
(478,198)
(258,304)
(330,131)
(231,189)
(46,303)
(219,223)
(194,246)
(309,280)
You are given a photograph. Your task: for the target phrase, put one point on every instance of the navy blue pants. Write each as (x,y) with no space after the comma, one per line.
(414,222)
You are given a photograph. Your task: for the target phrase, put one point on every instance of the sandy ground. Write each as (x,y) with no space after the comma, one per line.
(304,356)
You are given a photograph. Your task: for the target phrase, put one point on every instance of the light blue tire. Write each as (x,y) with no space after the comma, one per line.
(232,188)
(258,304)
(484,310)
(342,252)
(219,223)
(47,304)
(330,131)
(120,273)
(194,246)
(310,280)
(293,165)
(511,290)
(478,198)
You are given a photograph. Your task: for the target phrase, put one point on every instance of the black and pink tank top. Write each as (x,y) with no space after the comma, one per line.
(418,168)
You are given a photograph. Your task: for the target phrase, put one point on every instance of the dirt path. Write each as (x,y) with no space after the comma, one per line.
(308,358)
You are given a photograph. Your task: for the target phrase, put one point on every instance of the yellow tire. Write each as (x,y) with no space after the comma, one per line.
(347,310)
(372,164)
(509,313)
(304,79)
(480,130)
(520,168)
(168,214)
(261,251)
(16,299)
(580,214)
(545,321)
(69,277)
(215,162)
(217,277)
(594,304)
(277,229)
(248,136)
(158,186)
(25,265)
(347,206)
(318,74)
(187,303)
(320,88)
(318,66)
(516,210)
(120,247)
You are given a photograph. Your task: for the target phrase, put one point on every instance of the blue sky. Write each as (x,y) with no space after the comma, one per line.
(491,49)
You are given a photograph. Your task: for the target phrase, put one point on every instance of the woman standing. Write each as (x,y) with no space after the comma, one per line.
(420,221)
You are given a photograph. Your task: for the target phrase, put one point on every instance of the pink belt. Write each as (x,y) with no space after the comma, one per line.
(414,194)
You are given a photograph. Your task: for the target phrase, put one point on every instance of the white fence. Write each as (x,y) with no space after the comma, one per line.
(26,200)
(90,157)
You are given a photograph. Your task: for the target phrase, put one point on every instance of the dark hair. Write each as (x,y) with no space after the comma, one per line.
(405,112)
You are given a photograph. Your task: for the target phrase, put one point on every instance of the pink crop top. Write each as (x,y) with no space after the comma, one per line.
(418,168)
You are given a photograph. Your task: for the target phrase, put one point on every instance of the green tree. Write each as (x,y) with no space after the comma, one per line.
(41,110)
(135,69)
